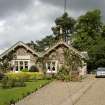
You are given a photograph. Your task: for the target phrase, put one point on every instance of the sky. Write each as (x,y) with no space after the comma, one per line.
(26,20)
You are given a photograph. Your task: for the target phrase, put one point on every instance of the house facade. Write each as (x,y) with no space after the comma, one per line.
(50,61)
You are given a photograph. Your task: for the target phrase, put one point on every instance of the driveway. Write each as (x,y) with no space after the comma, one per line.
(56,93)
(95,95)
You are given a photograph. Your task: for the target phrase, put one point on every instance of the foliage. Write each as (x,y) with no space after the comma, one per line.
(25,70)
(88,28)
(18,93)
(66,24)
(97,54)
(90,37)
(26,76)
(72,60)
(33,68)
(1,75)
(12,82)
(5,62)
(69,70)
(18,79)
(41,45)
(63,74)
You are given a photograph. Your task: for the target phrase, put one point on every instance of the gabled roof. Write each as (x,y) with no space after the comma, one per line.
(20,43)
(66,45)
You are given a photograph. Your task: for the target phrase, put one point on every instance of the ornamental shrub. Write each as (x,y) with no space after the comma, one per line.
(33,68)
(18,79)
(26,76)
(25,70)
(1,75)
(65,75)
(10,82)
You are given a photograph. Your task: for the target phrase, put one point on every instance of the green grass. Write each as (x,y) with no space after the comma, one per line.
(6,95)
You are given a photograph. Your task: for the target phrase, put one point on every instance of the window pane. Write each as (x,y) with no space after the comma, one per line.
(21,67)
(16,65)
(26,63)
(21,62)
(16,68)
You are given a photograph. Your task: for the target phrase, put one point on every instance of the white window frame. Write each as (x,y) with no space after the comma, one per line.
(13,63)
(51,65)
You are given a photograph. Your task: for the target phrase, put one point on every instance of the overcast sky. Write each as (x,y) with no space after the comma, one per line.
(26,20)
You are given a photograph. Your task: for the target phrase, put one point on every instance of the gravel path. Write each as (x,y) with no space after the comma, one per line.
(95,95)
(55,93)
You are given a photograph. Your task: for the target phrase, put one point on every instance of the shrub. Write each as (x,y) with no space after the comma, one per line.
(19,79)
(1,75)
(25,70)
(36,75)
(26,76)
(11,82)
(64,75)
(33,68)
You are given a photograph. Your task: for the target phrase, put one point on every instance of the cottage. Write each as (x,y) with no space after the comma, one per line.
(50,61)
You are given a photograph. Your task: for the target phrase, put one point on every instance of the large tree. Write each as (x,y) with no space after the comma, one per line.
(90,36)
(64,26)
(88,29)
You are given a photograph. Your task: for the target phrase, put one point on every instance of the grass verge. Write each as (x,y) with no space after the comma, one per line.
(16,94)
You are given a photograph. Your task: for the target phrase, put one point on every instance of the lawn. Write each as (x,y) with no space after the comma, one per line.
(6,95)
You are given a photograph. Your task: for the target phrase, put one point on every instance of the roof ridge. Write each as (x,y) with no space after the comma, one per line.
(15,45)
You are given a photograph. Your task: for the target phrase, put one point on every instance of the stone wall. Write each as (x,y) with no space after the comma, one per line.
(56,54)
(22,52)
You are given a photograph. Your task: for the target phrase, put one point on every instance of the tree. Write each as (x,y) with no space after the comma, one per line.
(5,62)
(97,54)
(88,28)
(45,43)
(90,36)
(66,23)
(64,26)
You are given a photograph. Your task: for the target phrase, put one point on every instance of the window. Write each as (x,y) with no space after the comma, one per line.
(51,66)
(16,65)
(26,64)
(21,65)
